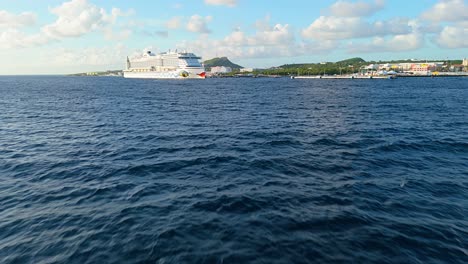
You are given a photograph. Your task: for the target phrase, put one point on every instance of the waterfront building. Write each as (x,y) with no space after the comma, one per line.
(385,67)
(369,69)
(420,68)
(457,68)
(405,66)
(246,70)
(412,67)
(220,70)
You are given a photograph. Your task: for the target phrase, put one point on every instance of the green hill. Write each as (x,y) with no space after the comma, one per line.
(223,61)
(351,61)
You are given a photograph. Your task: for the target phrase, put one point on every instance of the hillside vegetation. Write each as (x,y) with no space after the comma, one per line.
(223,61)
(340,67)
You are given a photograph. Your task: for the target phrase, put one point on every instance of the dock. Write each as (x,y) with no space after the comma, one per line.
(394,76)
(344,77)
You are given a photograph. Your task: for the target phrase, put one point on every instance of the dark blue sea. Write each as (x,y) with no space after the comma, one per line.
(265,170)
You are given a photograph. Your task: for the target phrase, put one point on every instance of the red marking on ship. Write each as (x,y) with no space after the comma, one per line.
(203,74)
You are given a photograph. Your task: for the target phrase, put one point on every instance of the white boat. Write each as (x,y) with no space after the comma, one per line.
(166,65)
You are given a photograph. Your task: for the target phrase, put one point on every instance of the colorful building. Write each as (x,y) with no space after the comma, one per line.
(419,68)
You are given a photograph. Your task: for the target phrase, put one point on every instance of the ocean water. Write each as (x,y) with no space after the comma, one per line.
(110,170)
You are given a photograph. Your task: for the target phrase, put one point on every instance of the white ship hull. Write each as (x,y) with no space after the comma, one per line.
(178,74)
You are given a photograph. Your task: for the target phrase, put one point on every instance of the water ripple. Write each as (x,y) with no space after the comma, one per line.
(233,171)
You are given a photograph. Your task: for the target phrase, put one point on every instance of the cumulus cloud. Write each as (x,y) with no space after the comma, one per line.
(453,37)
(451,20)
(274,36)
(105,56)
(278,35)
(209,48)
(335,28)
(74,18)
(198,24)
(266,42)
(230,3)
(448,11)
(355,9)
(397,43)
(9,20)
(13,38)
(78,17)
(195,23)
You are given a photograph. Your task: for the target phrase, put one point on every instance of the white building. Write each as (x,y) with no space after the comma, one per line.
(220,69)
(246,70)
(420,68)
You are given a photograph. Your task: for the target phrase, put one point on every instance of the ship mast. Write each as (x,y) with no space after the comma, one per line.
(128,63)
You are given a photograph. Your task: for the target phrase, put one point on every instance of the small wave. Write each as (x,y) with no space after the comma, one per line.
(231,204)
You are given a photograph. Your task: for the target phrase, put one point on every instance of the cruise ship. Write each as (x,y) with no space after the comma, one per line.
(166,65)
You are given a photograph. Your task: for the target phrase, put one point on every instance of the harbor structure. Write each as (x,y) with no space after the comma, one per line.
(220,70)
(416,68)
(243,70)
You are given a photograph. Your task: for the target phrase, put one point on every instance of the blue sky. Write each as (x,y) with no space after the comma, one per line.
(66,36)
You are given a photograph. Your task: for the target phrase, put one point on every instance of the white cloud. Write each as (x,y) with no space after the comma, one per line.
(453,37)
(74,18)
(12,38)
(272,36)
(195,23)
(278,35)
(424,27)
(335,28)
(9,20)
(397,43)
(111,57)
(448,11)
(413,38)
(230,3)
(267,42)
(209,48)
(449,20)
(198,24)
(78,17)
(355,9)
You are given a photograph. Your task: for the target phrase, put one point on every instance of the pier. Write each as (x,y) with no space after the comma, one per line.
(393,76)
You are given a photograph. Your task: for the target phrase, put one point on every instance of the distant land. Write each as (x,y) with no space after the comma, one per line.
(223,61)
(99,73)
(339,67)
(347,66)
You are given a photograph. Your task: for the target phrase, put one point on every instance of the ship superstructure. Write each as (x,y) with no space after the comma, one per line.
(166,65)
